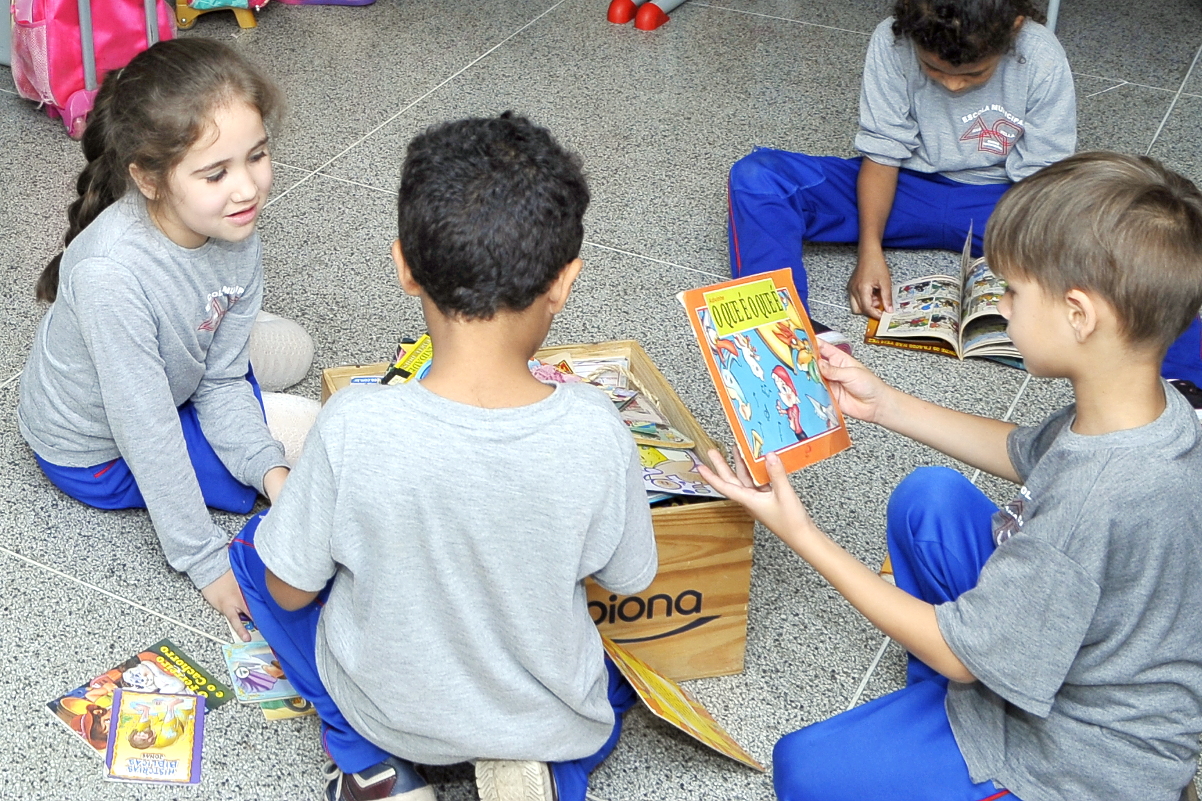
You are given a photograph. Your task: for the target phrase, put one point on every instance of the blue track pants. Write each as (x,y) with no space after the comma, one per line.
(293,638)
(779,199)
(901,746)
(111,485)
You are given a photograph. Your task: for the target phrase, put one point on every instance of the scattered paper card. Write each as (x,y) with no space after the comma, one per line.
(669,701)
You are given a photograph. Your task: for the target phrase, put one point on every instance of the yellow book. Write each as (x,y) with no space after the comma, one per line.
(155,738)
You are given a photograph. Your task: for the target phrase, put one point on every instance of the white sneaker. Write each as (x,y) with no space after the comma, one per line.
(281,352)
(289,418)
(512,780)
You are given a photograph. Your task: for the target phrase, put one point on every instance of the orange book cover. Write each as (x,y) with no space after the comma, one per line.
(758,345)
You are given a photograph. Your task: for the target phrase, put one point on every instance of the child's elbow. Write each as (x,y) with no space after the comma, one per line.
(958,673)
(286,596)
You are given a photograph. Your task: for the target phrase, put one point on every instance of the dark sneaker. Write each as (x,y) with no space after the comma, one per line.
(392,778)
(832,336)
(511,780)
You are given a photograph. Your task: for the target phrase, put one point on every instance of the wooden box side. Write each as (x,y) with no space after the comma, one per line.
(692,621)
(336,378)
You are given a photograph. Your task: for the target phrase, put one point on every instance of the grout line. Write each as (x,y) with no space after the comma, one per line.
(649,258)
(1006,417)
(392,192)
(868,674)
(438,86)
(1120,80)
(1104,91)
(11,379)
(1176,97)
(112,595)
(782,19)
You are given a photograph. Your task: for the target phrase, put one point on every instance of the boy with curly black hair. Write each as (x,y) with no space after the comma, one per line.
(421,578)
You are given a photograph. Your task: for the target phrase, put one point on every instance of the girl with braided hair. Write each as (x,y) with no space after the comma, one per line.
(138,391)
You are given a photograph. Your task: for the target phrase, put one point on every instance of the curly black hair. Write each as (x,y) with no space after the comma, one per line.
(962,31)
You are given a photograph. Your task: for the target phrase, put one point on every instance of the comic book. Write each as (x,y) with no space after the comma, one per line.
(953,315)
(161,668)
(758,345)
(155,738)
(669,701)
(279,708)
(256,672)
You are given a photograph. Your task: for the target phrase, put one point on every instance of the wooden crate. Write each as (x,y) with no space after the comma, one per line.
(692,621)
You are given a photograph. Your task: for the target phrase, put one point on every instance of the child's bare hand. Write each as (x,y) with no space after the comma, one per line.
(225,596)
(776,505)
(870,288)
(856,389)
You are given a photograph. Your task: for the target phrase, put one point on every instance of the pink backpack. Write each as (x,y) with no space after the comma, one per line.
(61,49)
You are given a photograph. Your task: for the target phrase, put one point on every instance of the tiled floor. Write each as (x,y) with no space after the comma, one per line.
(658,118)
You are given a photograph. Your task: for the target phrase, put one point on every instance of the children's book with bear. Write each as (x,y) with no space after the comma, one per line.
(952,315)
(761,352)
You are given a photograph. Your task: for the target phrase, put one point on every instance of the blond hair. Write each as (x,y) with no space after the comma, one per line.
(1122,227)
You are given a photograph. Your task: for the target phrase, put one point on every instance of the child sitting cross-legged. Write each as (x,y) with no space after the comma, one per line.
(421,576)
(1054,648)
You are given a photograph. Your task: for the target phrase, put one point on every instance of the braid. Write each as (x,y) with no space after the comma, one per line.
(99,184)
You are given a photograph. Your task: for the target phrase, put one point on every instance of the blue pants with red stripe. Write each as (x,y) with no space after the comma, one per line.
(111,485)
(901,746)
(779,199)
(293,638)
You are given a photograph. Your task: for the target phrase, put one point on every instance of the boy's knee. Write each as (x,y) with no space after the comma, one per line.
(922,486)
(802,765)
(924,490)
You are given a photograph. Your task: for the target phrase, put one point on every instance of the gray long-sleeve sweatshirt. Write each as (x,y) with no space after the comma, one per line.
(140,326)
(1020,120)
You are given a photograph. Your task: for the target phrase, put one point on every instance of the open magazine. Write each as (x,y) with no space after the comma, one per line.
(953,315)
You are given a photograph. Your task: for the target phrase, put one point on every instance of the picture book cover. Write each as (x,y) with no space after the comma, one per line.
(161,668)
(758,345)
(674,472)
(669,701)
(155,738)
(256,672)
(287,708)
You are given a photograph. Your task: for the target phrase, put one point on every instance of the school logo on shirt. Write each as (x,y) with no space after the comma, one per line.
(1011,516)
(998,138)
(218,304)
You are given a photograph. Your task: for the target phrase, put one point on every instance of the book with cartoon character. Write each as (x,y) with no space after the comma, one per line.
(155,738)
(758,345)
(162,668)
(256,672)
(952,315)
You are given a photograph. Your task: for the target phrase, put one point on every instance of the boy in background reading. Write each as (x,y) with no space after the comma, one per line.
(421,578)
(1054,649)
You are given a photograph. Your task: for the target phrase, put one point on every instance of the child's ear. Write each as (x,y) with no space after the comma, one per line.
(408,285)
(1083,313)
(143,182)
(561,287)
(1018,22)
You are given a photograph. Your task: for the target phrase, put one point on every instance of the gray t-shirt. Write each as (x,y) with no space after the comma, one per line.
(1020,120)
(140,326)
(1084,628)
(458,539)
